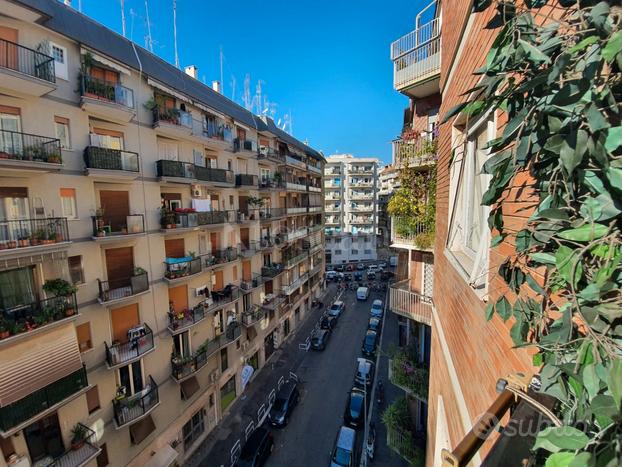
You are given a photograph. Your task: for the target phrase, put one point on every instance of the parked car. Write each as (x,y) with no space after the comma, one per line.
(354,413)
(336,309)
(331,276)
(374,324)
(376,309)
(347,277)
(360,267)
(328,322)
(350,267)
(340,268)
(284,403)
(372,268)
(358,276)
(370,341)
(319,339)
(340,276)
(371,275)
(364,373)
(362,293)
(343,454)
(382,265)
(386,275)
(257,449)
(329,268)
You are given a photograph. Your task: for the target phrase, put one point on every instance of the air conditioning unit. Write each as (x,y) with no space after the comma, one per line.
(198,191)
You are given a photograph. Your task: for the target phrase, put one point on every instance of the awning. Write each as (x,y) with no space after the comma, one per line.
(35,363)
(166,89)
(189,387)
(163,458)
(106,61)
(36,258)
(141,429)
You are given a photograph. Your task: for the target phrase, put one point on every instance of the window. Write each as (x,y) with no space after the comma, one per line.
(76,273)
(60,61)
(83,333)
(68,203)
(103,138)
(468,230)
(355,252)
(231,201)
(130,378)
(193,429)
(61,128)
(102,458)
(337,252)
(168,150)
(368,252)
(230,164)
(92,399)
(286,327)
(224,361)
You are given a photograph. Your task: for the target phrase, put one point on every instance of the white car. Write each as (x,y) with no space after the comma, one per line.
(362,293)
(373,268)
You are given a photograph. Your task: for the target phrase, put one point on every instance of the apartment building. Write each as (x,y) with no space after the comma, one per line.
(446,286)
(388,181)
(351,206)
(155,240)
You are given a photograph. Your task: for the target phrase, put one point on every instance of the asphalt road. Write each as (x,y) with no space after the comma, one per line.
(326,377)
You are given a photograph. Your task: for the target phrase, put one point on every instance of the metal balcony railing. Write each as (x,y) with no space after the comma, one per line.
(25,233)
(113,226)
(25,317)
(406,232)
(410,376)
(249,248)
(295,160)
(107,91)
(228,294)
(361,170)
(271,213)
(178,322)
(176,268)
(274,300)
(295,284)
(220,257)
(171,116)
(246,180)
(271,154)
(266,243)
(255,281)
(27,61)
(177,169)
(253,315)
(272,270)
(410,304)
(266,183)
(18,146)
(80,452)
(129,408)
(117,289)
(294,258)
(42,399)
(248,214)
(140,341)
(244,144)
(111,159)
(416,152)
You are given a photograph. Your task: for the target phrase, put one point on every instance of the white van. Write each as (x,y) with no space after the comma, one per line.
(362,293)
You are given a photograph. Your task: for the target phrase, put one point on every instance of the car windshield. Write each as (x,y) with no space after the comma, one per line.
(279,405)
(370,339)
(376,306)
(356,403)
(341,457)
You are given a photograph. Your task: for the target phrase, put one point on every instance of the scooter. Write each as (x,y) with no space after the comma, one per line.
(380,396)
(371,441)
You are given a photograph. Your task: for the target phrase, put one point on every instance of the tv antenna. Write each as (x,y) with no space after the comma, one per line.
(175,32)
(148,39)
(123,17)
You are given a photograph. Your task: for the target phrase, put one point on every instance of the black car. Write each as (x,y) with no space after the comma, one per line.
(374,324)
(354,414)
(340,268)
(319,339)
(358,276)
(369,343)
(386,275)
(285,401)
(347,277)
(257,449)
(328,322)
(371,275)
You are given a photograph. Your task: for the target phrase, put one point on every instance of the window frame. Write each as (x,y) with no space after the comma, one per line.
(82,278)
(61,69)
(73,216)
(65,123)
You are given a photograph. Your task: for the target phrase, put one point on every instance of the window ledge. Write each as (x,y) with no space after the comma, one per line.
(457,259)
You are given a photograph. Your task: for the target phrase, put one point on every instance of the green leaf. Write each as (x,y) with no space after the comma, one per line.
(489,311)
(533,284)
(595,119)
(503,308)
(455,110)
(613,47)
(614,380)
(585,233)
(496,240)
(536,360)
(519,331)
(559,459)
(590,380)
(609,207)
(595,184)
(565,261)
(533,53)
(554,439)
(523,238)
(615,177)
(589,40)
(614,139)
(604,408)
(583,459)
(591,209)
(473,108)
(543,258)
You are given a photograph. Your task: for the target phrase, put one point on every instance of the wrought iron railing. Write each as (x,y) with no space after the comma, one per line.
(244,144)
(253,315)
(25,147)
(255,281)
(272,270)
(130,408)
(294,258)
(227,294)
(177,169)
(266,183)
(246,180)
(220,257)
(116,289)
(107,90)
(249,248)
(27,61)
(26,317)
(179,321)
(111,159)
(108,226)
(272,213)
(25,233)
(171,116)
(80,452)
(140,341)
(271,154)
(176,268)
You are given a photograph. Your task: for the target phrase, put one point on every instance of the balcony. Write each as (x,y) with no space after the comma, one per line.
(314,169)
(33,236)
(139,343)
(21,411)
(189,220)
(313,209)
(411,234)
(294,258)
(266,243)
(410,376)
(247,215)
(332,208)
(361,196)
(269,154)
(273,301)
(230,293)
(328,185)
(272,270)
(172,122)
(247,180)
(410,304)
(296,234)
(106,229)
(315,269)
(295,184)
(244,145)
(184,367)
(295,161)
(362,208)
(365,170)
(213,130)
(256,281)
(296,210)
(181,321)
(362,183)
(314,188)
(117,290)
(420,152)
(248,249)
(360,220)
(19,321)
(417,60)
(187,173)
(25,71)
(81,453)
(180,269)
(270,214)
(266,183)
(295,284)
(315,228)
(128,409)
(23,154)
(253,315)
(219,258)
(332,220)
(107,100)
(105,163)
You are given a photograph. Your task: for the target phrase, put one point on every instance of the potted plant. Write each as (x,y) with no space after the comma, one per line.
(11,244)
(101,232)
(23,241)
(59,287)
(3,245)
(4,329)
(138,271)
(78,436)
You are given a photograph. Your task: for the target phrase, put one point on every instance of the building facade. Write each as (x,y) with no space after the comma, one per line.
(351,205)
(155,239)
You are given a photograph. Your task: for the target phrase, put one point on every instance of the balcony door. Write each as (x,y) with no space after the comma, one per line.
(213,239)
(218,280)
(130,378)
(178,297)
(17,291)
(246,270)
(103,138)
(10,125)
(119,266)
(8,52)
(122,320)
(44,439)
(245,238)
(116,207)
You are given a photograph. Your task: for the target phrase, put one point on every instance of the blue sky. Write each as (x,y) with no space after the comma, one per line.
(326,61)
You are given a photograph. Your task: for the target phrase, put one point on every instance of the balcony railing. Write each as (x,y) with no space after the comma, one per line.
(266,183)
(248,214)
(272,270)
(361,196)
(416,56)
(253,315)
(274,300)
(272,213)
(271,154)
(362,208)
(23,318)
(107,91)
(296,234)
(295,284)
(315,208)
(27,61)
(249,248)
(104,226)
(295,258)
(117,289)
(315,228)
(255,281)
(183,367)
(413,305)
(296,210)
(177,169)
(42,399)
(140,341)
(244,144)
(362,183)
(177,268)
(130,408)
(266,243)
(314,169)
(180,321)
(228,294)
(361,170)
(172,116)
(408,232)
(410,376)
(295,161)
(295,183)
(220,257)
(171,220)
(26,233)
(17,146)
(80,453)
(417,152)
(111,159)
(246,180)
(362,220)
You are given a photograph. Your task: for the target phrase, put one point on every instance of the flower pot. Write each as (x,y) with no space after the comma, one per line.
(70,312)
(11,244)
(4,334)
(24,243)
(3,246)
(75,445)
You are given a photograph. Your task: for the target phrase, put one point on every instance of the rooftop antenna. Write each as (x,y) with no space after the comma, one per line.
(257,99)
(175,32)
(222,83)
(233,87)
(123,17)
(246,98)
(148,39)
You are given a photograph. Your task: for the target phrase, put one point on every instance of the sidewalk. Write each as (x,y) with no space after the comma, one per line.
(216,449)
